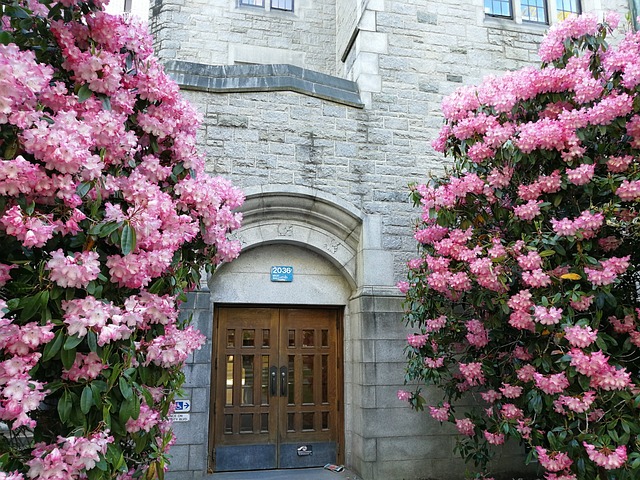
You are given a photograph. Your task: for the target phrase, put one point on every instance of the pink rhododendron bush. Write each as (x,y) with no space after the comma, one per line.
(524,299)
(106,217)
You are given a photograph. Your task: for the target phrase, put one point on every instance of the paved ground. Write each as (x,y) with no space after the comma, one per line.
(293,474)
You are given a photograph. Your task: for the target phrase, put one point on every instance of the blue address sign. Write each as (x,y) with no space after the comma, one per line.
(281,274)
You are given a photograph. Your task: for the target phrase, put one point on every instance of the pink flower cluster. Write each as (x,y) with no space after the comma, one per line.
(73,271)
(173,348)
(147,419)
(609,271)
(587,223)
(440,414)
(553,461)
(605,457)
(580,336)
(84,368)
(601,373)
(575,404)
(19,393)
(69,458)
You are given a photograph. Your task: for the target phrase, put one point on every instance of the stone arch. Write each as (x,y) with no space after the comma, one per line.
(307,218)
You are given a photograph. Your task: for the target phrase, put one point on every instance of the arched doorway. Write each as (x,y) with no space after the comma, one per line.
(277,379)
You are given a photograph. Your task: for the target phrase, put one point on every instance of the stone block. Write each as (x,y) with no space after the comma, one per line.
(197,375)
(197,458)
(372,42)
(179,456)
(200,400)
(432,447)
(427,17)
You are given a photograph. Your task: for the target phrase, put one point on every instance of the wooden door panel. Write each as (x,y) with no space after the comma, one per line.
(247,348)
(277,388)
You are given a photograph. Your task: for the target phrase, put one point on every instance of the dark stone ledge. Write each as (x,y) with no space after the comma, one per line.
(263,78)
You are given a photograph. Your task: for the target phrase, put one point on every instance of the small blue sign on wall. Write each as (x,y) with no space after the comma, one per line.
(281,274)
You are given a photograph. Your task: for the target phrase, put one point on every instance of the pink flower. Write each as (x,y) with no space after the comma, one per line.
(434,363)
(552,46)
(4,273)
(417,341)
(472,373)
(441,414)
(494,438)
(435,324)
(583,303)
(536,278)
(619,164)
(547,316)
(553,461)
(576,404)
(629,191)
(510,412)
(605,457)
(528,211)
(551,384)
(477,335)
(526,373)
(73,272)
(403,395)
(403,286)
(465,426)
(146,420)
(581,175)
(511,391)
(85,367)
(579,336)
(490,396)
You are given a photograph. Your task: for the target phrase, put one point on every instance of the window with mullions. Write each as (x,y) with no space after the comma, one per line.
(498,8)
(286,5)
(534,11)
(567,7)
(282,5)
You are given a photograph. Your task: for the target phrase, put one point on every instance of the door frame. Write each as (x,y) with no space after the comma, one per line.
(340,410)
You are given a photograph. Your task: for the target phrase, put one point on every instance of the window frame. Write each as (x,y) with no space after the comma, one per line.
(551,11)
(500,15)
(545,9)
(282,9)
(268,5)
(568,12)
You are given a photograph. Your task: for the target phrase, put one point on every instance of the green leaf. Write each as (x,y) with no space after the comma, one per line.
(84,93)
(83,188)
(125,388)
(126,411)
(68,357)
(127,239)
(6,38)
(108,228)
(64,406)
(72,342)
(52,347)
(86,400)
(16,12)
(92,341)
(31,305)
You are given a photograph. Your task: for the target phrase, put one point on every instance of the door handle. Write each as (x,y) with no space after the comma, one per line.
(273,381)
(283,381)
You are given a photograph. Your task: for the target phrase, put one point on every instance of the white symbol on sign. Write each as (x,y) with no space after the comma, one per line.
(183,406)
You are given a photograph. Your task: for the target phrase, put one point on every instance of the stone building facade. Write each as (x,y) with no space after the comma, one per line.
(323,112)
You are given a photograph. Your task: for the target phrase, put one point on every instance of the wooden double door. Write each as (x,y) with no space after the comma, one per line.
(278,388)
